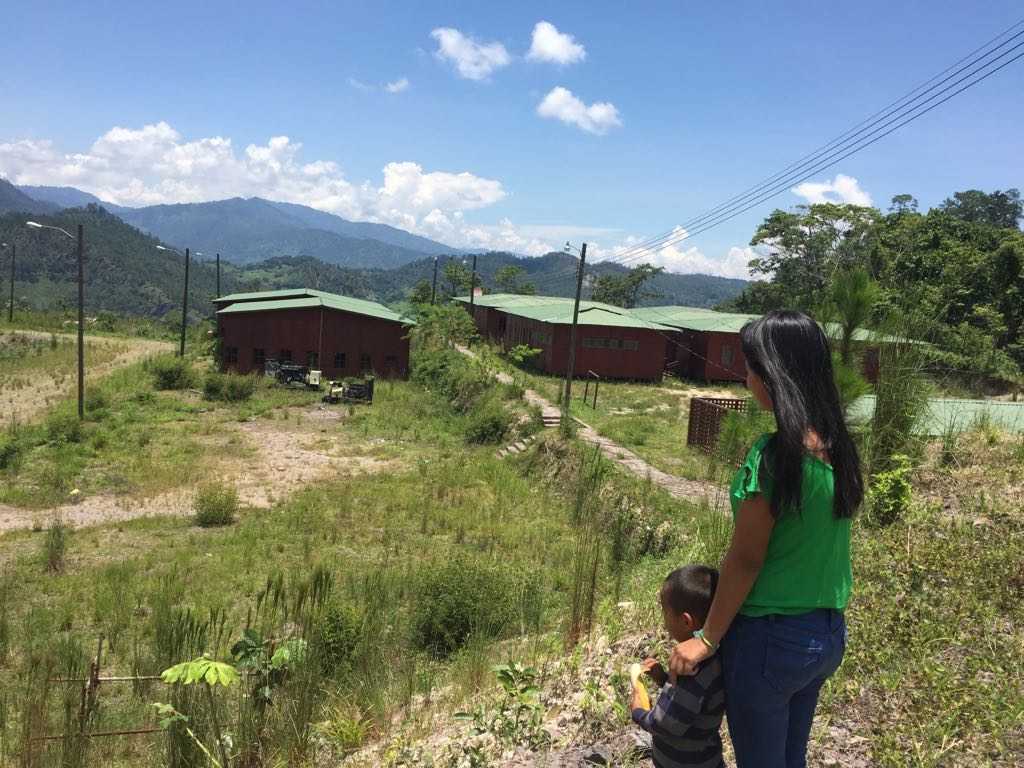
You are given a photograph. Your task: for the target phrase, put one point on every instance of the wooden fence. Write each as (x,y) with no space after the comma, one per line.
(706,415)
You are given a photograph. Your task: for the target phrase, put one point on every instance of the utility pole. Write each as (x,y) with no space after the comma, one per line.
(218,275)
(433,289)
(184,308)
(81,321)
(567,397)
(472,289)
(10,309)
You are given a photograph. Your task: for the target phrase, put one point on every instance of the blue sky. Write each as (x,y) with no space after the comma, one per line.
(616,122)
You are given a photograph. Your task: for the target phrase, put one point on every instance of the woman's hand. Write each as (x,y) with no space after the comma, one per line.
(687,656)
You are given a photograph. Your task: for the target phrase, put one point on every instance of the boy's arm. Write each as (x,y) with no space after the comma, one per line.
(675,710)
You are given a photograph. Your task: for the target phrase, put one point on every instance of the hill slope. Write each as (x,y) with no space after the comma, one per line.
(251,230)
(68,197)
(124,272)
(13,199)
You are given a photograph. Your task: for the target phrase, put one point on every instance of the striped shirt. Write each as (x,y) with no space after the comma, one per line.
(686,718)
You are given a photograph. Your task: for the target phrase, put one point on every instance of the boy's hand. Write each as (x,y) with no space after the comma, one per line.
(653,669)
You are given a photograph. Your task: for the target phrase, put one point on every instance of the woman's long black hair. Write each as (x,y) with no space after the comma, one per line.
(791,354)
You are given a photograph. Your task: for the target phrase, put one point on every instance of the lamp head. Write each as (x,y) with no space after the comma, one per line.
(33,224)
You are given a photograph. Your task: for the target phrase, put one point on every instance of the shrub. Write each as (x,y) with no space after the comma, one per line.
(238,388)
(96,400)
(10,451)
(63,427)
(213,386)
(171,372)
(465,598)
(216,504)
(489,423)
(337,636)
(890,492)
(54,546)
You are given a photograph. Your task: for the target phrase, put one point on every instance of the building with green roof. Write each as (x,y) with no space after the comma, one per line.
(338,335)
(611,342)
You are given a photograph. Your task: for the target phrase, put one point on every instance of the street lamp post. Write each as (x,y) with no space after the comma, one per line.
(184,298)
(10,309)
(81,305)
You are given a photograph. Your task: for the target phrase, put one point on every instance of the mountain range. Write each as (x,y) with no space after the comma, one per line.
(126,272)
(244,230)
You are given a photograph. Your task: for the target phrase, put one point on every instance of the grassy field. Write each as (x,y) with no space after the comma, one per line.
(388,581)
(649,419)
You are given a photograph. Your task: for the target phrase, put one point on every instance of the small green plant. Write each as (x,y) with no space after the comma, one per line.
(523,354)
(345,727)
(96,401)
(337,635)
(171,372)
(55,546)
(63,427)
(950,443)
(215,504)
(890,492)
(518,719)
(209,674)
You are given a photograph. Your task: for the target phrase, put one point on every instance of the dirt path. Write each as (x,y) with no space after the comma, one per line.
(37,390)
(284,457)
(694,491)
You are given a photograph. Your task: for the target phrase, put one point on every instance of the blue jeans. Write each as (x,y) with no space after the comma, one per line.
(774,667)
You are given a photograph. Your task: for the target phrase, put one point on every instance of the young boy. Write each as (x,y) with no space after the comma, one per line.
(686,718)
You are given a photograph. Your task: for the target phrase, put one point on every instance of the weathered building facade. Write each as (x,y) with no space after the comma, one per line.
(338,335)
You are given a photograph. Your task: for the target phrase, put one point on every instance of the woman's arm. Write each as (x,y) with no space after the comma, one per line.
(739,571)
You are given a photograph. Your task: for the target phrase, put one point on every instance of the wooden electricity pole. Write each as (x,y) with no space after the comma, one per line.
(218,275)
(10,310)
(81,322)
(472,290)
(433,289)
(184,308)
(567,397)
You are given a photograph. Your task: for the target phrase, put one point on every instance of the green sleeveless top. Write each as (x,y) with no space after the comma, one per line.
(807,565)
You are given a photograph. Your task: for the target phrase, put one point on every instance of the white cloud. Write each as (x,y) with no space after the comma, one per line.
(551,45)
(359,85)
(472,60)
(679,258)
(397,86)
(155,164)
(561,104)
(842,189)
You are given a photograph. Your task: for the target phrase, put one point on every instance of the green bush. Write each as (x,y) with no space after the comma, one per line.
(96,401)
(10,451)
(171,372)
(215,504)
(55,545)
(488,423)
(63,427)
(890,492)
(337,637)
(230,387)
(465,598)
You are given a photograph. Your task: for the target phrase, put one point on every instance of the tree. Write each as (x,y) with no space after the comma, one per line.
(803,249)
(420,292)
(903,204)
(625,290)
(998,209)
(854,295)
(458,278)
(508,280)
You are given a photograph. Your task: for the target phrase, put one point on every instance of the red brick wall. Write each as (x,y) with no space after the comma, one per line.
(323,331)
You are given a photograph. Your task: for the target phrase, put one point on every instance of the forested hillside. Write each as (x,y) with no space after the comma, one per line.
(124,271)
(953,276)
(13,199)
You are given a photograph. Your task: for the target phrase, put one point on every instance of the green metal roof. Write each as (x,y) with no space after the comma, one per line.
(695,318)
(958,415)
(561,314)
(268,301)
(512,300)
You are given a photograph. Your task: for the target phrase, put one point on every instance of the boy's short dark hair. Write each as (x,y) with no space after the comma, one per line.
(690,589)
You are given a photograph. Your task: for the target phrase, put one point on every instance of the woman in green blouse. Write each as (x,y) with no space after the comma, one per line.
(786,578)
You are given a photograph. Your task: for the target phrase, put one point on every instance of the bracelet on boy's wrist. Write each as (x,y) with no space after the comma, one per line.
(699,634)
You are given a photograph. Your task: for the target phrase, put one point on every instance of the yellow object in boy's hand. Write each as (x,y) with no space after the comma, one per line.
(636,671)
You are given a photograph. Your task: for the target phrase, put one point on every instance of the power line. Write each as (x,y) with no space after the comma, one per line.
(825,156)
(831,161)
